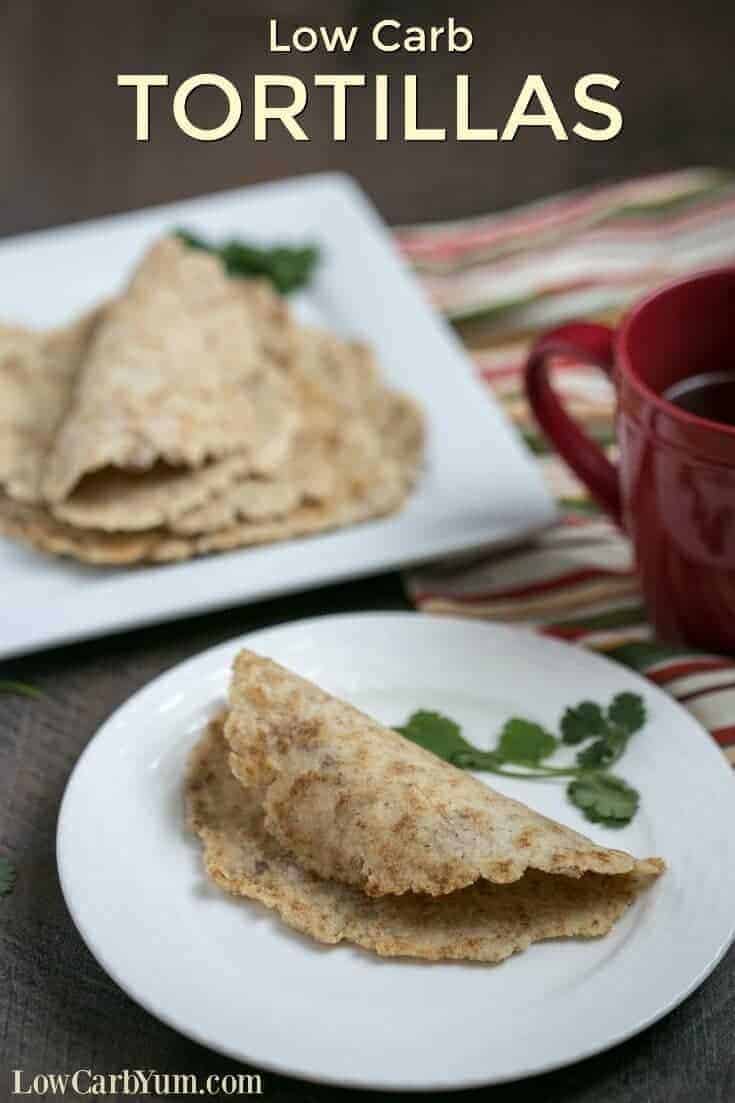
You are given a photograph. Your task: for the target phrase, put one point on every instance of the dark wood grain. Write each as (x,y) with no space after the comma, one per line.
(68,152)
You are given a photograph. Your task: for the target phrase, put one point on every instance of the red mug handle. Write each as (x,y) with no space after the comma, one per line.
(593,344)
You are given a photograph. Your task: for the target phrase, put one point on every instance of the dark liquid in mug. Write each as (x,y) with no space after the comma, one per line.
(709,394)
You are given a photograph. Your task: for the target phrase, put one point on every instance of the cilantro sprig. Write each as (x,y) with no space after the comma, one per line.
(523,748)
(287,267)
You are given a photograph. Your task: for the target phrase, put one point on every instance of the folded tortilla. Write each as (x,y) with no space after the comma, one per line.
(185,368)
(117,500)
(344,409)
(483,922)
(37,372)
(358,803)
(365,473)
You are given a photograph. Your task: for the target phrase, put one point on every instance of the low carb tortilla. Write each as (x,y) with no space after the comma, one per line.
(483,922)
(358,493)
(356,802)
(37,373)
(178,371)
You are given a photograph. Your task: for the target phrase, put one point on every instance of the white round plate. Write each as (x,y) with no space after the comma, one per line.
(229,974)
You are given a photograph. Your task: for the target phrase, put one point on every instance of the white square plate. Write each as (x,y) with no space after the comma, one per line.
(480,485)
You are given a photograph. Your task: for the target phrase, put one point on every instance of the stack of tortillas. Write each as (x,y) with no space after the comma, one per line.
(190,415)
(351,832)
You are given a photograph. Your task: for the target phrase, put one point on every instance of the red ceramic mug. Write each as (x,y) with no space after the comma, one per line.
(673,491)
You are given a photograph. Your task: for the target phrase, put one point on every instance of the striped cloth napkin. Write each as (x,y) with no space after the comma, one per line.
(502,278)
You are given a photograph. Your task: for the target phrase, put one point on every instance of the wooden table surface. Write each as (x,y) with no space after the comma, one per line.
(67,153)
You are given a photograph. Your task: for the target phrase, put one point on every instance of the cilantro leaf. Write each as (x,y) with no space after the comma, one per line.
(581,721)
(597,755)
(525,743)
(436,733)
(604,798)
(441,736)
(287,267)
(628,712)
(7,876)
